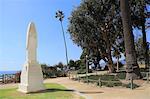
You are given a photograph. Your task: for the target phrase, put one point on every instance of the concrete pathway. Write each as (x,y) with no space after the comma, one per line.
(94,92)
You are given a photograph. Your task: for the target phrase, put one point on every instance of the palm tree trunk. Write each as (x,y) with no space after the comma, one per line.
(132,67)
(64,43)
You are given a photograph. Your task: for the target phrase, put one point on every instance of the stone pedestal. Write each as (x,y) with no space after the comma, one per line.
(31,78)
(31,75)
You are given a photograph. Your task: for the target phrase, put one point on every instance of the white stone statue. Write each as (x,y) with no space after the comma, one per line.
(31,75)
(31,43)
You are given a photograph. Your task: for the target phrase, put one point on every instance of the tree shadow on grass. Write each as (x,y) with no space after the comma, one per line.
(52,90)
(65,90)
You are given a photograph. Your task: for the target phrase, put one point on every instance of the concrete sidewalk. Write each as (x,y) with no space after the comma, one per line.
(94,92)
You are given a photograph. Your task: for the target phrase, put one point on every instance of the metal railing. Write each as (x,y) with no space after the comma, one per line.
(9,78)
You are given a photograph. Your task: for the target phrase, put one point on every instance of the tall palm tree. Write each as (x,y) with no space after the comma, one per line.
(60,16)
(132,67)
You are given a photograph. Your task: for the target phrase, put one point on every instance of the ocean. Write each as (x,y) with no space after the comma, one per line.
(7,72)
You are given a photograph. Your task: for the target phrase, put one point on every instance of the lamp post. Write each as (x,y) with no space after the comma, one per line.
(60,17)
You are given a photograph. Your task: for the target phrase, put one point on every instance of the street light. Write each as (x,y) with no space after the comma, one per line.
(60,17)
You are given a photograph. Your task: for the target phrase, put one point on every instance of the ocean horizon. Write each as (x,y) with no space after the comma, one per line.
(8,72)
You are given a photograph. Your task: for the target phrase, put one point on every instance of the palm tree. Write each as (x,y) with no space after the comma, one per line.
(60,16)
(132,67)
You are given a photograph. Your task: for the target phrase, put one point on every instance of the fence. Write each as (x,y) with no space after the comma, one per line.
(146,76)
(9,78)
(131,84)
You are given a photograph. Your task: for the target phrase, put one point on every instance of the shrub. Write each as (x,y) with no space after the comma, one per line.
(121,75)
(129,85)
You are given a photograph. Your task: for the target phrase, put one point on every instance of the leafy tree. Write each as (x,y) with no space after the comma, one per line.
(83,59)
(78,64)
(60,65)
(44,65)
(71,63)
(139,49)
(139,15)
(132,67)
(95,26)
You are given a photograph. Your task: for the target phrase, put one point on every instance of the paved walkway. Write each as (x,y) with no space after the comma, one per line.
(94,92)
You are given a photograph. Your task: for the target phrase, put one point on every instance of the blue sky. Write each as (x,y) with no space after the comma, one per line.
(14,18)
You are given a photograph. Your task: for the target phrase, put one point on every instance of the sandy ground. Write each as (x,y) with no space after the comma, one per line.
(94,92)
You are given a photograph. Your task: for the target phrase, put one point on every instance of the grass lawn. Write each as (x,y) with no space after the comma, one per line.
(54,91)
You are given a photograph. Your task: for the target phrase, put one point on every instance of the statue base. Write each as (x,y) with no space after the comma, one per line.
(31,78)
